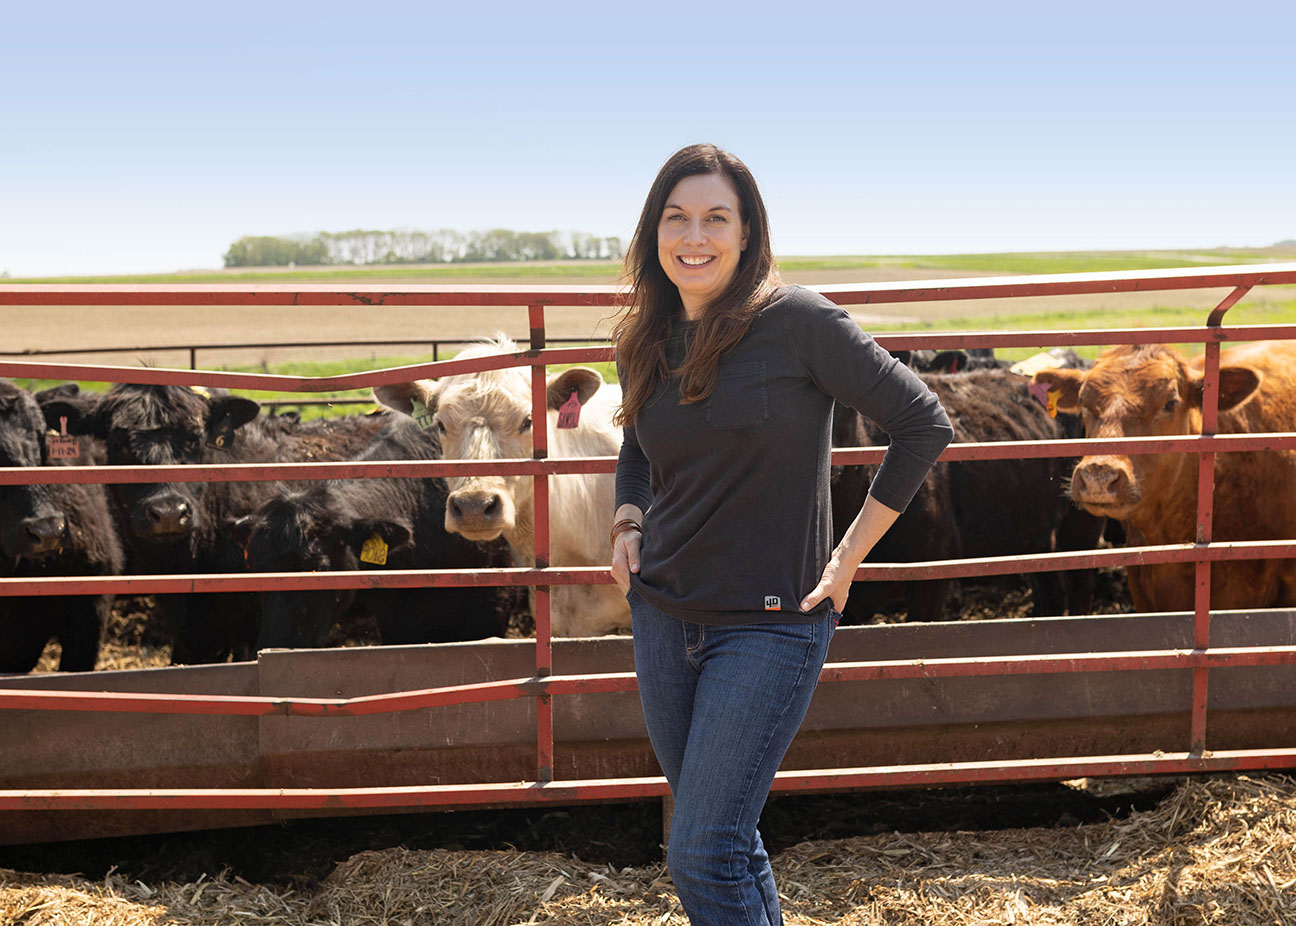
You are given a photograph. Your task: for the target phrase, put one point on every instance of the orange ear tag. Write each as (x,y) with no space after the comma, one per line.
(569,412)
(1053,396)
(64,447)
(420,413)
(374,551)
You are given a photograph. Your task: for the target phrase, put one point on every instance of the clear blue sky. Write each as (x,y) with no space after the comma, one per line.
(142,137)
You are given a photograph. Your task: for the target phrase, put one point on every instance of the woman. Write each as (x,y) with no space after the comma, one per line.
(722,538)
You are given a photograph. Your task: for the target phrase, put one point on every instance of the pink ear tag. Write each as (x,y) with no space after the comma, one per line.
(569,412)
(64,447)
(1040,391)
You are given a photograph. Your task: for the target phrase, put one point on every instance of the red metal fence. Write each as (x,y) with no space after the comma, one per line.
(1201,657)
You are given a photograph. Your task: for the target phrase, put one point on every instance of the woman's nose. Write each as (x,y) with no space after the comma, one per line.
(694,233)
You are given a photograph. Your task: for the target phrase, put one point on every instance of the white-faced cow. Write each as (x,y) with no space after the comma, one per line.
(487,416)
(1152,391)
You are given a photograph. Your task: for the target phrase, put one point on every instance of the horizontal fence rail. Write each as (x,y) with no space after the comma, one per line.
(1199,658)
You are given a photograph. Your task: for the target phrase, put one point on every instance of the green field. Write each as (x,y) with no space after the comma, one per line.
(595,271)
(1278,305)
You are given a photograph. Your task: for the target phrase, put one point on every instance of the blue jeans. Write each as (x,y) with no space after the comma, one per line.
(722,704)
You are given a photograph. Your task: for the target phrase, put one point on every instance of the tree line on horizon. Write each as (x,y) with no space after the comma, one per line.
(443,246)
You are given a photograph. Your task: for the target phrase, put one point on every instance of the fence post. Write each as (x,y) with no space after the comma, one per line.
(1205,520)
(544,640)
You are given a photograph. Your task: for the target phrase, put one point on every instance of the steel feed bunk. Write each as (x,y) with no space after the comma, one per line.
(516,722)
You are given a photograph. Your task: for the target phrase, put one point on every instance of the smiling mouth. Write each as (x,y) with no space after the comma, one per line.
(695,261)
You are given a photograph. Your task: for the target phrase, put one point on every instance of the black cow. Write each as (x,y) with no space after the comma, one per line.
(949,361)
(973,509)
(172,528)
(50,531)
(325,527)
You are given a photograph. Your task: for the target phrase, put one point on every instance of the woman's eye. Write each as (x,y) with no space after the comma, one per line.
(675,217)
(717,219)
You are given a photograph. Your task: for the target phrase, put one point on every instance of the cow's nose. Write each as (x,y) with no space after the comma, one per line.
(169,516)
(1099,481)
(44,534)
(468,506)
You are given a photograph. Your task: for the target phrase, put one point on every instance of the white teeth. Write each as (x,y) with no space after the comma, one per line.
(696,261)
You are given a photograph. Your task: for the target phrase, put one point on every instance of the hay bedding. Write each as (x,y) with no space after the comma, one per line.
(1216,851)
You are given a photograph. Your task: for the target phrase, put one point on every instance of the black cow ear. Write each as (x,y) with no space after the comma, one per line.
(227,414)
(949,361)
(81,412)
(61,391)
(240,529)
(394,534)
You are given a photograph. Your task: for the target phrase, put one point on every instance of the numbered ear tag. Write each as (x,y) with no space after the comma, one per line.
(569,412)
(1052,404)
(421,413)
(222,436)
(374,551)
(64,446)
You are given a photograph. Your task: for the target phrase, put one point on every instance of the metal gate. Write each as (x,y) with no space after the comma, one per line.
(1255,697)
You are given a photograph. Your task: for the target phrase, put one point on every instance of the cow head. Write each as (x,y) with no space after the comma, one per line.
(1143,391)
(157,426)
(315,530)
(31,523)
(487,416)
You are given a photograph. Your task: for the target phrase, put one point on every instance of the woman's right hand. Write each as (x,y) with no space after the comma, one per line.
(625,558)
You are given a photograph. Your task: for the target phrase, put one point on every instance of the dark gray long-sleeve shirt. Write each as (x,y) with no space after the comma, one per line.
(738,520)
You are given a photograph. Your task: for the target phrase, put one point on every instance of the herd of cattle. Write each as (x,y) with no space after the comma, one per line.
(963,510)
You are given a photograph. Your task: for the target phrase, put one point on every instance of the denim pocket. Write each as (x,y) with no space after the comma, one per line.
(740,398)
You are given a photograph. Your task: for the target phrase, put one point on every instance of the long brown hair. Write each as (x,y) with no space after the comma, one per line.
(654,301)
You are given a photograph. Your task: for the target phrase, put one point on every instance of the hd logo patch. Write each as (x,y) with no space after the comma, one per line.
(773,602)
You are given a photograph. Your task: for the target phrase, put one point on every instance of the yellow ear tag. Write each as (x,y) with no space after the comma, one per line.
(1053,396)
(374,551)
(420,413)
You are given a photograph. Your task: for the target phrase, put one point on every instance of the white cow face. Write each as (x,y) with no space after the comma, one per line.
(487,416)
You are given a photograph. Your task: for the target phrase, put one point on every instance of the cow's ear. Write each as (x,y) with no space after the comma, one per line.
(228,413)
(1237,384)
(400,397)
(395,533)
(949,361)
(81,412)
(583,380)
(240,530)
(61,391)
(1067,383)
(232,410)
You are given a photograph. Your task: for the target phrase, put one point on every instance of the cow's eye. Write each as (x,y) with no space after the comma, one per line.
(441,426)
(526,424)
(1171,404)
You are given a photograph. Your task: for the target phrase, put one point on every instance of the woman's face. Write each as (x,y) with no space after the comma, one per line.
(700,237)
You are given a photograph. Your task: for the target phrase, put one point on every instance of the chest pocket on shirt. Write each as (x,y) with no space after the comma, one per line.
(740,399)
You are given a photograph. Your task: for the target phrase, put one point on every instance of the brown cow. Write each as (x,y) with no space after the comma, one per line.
(1153,391)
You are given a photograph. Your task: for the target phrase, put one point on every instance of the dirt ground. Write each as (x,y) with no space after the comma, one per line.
(147,330)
